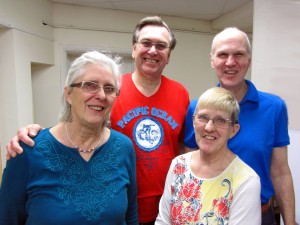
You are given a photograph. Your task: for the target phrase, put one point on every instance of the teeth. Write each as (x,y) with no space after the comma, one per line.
(231,72)
(98,108)
(151,60)
(209,137)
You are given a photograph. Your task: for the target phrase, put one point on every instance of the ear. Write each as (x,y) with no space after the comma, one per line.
(169,57)
(211,61)
(133,51)
(67,94)
(235,129)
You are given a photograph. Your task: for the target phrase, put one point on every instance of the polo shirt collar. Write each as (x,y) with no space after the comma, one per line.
(251,95)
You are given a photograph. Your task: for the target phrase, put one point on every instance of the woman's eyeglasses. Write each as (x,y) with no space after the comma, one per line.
(93,87)
(217,121)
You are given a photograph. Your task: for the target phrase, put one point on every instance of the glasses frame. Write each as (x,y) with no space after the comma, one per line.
(159,46)
(197,118)
(82,83)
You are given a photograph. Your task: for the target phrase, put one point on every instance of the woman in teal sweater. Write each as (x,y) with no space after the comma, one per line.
(79,171)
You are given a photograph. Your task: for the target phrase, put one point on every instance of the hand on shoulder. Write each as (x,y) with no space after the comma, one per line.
(23,134)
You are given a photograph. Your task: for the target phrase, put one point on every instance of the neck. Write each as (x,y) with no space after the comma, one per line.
(240,91)
(84,141)
(209,166)
(147,85)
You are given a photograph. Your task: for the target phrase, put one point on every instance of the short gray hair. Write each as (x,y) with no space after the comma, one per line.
(77,69)
(232,30)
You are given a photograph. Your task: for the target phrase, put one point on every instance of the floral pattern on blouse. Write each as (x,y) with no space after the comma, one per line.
(197,201)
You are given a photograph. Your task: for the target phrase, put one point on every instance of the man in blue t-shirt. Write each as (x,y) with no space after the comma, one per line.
(263,137)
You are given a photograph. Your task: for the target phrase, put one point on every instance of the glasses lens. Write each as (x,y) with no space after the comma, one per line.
(158,46)
(90,87)
(109,90)
(220,122)
(202,118)
(161,46)
(146,44)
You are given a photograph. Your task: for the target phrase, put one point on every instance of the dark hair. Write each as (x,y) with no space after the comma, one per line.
(153,20)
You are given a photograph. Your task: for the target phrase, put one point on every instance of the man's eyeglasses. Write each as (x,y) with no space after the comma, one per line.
(217,121)
(93,87)
(159,46)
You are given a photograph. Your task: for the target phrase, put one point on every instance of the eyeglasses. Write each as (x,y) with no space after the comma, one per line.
(217,121)
(93,87)
(159,46)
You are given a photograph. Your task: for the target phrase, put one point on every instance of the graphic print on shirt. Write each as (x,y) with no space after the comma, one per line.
(148,133)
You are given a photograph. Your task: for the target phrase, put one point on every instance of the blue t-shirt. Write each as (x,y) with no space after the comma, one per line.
(52,184)
(263,123)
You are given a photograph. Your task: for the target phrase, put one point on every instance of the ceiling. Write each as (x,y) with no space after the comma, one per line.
(208,10)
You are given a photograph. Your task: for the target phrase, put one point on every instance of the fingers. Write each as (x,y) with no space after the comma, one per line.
(23,134)
(33,129)
(13,147)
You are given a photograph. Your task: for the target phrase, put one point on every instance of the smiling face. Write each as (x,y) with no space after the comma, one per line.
(91,108)
(210,138)
(230,58)
(150,61)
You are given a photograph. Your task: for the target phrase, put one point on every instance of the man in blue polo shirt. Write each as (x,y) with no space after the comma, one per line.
(263,137)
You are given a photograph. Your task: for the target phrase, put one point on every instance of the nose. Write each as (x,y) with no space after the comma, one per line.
(152,48)
(230,60)
(101,93)
(210,126)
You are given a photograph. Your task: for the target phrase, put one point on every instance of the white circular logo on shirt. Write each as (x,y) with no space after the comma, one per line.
(148,134)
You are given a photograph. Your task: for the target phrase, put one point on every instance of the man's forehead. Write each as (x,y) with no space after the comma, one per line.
(154,31)
(231,44)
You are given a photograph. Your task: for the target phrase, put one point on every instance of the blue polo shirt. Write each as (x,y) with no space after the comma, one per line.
(264,125)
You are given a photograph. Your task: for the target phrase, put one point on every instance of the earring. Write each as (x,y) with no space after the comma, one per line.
(70,114)
(108,122)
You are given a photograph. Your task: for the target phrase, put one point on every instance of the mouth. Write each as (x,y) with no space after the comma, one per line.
(96,108)
(209,137)
(231,72)
(151,60)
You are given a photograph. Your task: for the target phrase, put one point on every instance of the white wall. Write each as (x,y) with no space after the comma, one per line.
(34,56)
(23,40)
(18,51)
(189,61)
(7,67)
(276,67)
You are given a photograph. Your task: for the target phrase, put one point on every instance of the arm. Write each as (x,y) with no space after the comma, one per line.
(283,184)
(13,195)
(164,217)
(23,134)
(189,134)
(132,210)
(246,205)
